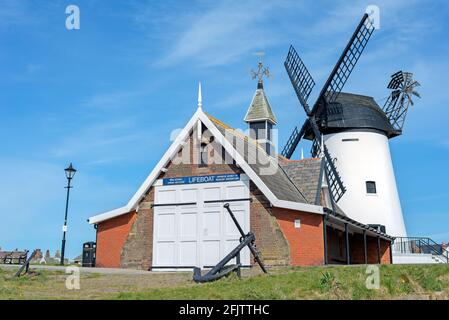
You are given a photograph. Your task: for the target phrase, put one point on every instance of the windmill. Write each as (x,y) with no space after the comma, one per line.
(403,89)
(351,132)
(317,115)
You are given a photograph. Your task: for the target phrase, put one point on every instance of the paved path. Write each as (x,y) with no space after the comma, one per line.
(86,270)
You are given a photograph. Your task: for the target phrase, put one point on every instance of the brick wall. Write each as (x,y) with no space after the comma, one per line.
(270,239)
(111,236)
(358,254)
(306,244)
(385,248)
(137,252)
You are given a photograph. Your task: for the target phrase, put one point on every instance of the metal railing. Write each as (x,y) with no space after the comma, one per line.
(420,245)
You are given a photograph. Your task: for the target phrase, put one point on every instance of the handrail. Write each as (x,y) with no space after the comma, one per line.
(419,245)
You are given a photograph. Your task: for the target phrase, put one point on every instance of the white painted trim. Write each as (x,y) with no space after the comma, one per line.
(312,208)
(262,119)
(108,215)
(200,96)
(174,148)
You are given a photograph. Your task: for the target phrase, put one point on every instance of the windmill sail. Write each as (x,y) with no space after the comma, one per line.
(294,139)
(303,84)
(347,61)
(400,99)
(319,149)
(299,77)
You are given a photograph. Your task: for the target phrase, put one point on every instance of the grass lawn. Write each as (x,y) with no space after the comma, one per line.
(332,282)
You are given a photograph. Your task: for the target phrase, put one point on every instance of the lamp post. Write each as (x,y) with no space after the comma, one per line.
(69,173)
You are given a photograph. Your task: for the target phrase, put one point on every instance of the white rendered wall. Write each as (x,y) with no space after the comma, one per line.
(367,159)
(416,259)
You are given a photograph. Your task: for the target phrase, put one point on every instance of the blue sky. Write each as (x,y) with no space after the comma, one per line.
(106,97)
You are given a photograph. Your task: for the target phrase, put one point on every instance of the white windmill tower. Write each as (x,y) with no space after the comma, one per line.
(356,132)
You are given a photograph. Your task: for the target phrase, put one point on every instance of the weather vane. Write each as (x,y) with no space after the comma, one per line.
(261,71)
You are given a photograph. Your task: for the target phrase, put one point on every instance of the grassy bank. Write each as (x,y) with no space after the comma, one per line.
(342,282)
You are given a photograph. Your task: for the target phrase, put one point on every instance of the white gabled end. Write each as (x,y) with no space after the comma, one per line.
(200,97)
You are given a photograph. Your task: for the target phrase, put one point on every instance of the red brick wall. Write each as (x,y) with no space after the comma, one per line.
(111,236)
(307,242)
(358,254)
(385,247)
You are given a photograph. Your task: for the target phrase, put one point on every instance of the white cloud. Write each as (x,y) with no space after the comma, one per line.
(21,13)
(120,99)
(98,142)
(105,100)
(12,13)
(223,33)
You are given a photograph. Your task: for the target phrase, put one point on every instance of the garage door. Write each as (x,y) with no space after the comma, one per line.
(191,227)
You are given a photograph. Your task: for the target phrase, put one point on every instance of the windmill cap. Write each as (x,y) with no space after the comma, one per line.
(354,111)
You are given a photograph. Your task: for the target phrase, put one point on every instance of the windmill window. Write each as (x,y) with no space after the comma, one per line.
(371,187)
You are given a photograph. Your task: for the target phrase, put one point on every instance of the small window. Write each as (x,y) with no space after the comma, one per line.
(371,187)
(203,155)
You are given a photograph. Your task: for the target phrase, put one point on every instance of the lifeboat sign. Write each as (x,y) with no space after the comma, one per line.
(201,179)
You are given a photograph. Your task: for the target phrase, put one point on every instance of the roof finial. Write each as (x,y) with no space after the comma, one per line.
(302,153)
(261,71)
(200,97)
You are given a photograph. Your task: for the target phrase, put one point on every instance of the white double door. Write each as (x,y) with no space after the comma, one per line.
(191,227)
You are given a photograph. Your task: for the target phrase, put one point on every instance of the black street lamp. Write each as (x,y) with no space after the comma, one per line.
(69,172)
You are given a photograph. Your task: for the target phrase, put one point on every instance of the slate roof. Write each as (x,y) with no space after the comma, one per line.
(306,175)
(277,180)
(260,108)
(277,186)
